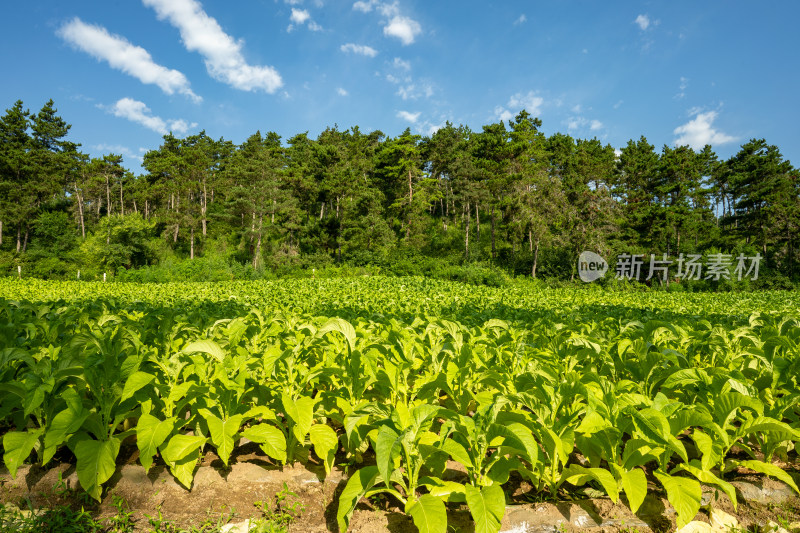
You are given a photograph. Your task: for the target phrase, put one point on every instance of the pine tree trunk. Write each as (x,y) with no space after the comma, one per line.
(121,202)
(108,197)
(1,232)
(477,224)
(535,260)
(147,210)
(204,206)
(175,235)
(19,241)
(80,215)
(257,254)
(25,242)
(191,245)
(494,255)
(321,210)
(466,235)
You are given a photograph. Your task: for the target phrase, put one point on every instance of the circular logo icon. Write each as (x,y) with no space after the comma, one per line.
(591,267)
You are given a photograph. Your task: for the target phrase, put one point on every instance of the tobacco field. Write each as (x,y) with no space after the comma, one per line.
(619,393)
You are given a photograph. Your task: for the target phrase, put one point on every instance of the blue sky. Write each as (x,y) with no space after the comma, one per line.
(685,72)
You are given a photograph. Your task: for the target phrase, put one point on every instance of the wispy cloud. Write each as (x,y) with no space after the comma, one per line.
(120,54)
(580,123)
(401,64)
(138,112)
(300,17)
(360,49)
(521,20)
(222,54)
(124,151)
(341,92)
(412,91)
(682,88)
(408,116)
(700,131)
(395,24)
(643,21)
(530,102)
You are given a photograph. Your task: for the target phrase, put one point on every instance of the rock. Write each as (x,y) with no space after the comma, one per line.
(239,527)
(776,492)
(722,520)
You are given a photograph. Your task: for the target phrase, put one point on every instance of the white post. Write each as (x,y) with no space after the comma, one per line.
(79,274)
(104,277)
(19,271)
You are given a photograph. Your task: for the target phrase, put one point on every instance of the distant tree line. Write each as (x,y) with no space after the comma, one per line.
(507,195)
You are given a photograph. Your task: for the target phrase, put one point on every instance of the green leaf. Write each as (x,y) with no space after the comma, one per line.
(301,413)
(487,505)
(96,463)
(222,432)
(695,468)
(358,484)
(458,453)
(387,450)
(206,346)
(684,495)
(136,381)
(325,442)
(271,439)
(150,434)
(429,514)
(634,483)
(181,455)
(578,475)
(342,326)
(768,469)
(61,427)
(18,446)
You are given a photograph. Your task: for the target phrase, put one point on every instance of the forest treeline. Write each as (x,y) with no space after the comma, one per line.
(507,197)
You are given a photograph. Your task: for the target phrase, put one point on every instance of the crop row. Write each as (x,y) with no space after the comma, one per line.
(559,400)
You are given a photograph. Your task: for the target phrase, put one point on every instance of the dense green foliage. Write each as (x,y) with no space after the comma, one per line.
(506,197)
(565,389)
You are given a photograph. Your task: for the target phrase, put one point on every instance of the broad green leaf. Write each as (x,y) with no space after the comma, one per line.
(387,451)
(578,475)
(136,381)
(18,445)
(358,484)
(301,413)
(150,434)
(487,505)
(325,442)
(767,468)
(634,483)
(429,514)
(695,468)
(222,432)
(61,427)
(271,439)
(206,346)
(684,495)
(342,326)
(458,452)
(454,492)
(181,455)
(96,463)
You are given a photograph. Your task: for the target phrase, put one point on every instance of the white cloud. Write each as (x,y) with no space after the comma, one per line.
(412,91)
(120,54)
(699,132)
(313,26)
(401,64)
(138,112)
(341,92)
(403,28)
(223,55)
(643,21)
(578,122)
(359,49)
(529,101)
(124,151)
(595,125)
(520,20)
(408,116)
(365,7)
(299,16)
(682,88)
